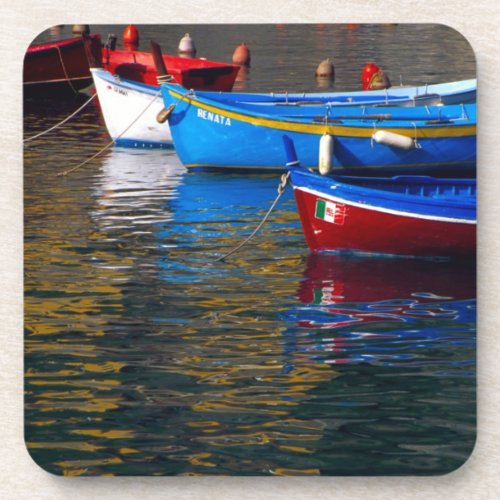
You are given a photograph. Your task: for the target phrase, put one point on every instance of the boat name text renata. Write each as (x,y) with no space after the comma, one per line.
(213,117)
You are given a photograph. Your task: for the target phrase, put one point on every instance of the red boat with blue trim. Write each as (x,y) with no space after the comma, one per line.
(402,215)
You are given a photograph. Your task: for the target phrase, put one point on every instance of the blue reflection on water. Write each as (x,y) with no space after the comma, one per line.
(415,313)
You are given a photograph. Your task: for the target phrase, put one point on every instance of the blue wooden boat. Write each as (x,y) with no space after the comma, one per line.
(459,92)
(213,135)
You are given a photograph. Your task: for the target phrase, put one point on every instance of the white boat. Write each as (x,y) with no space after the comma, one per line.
(130,110)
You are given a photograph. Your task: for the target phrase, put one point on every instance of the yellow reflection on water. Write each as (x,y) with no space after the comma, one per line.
(97,384)
(107,366)
(75,472)
(68,445)
(87,405)
(89,463)
(128,451)
(199,459)
(282,471)
(295,449)
(111,434)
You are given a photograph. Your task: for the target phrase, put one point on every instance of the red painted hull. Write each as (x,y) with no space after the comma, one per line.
(189,72)
(59,66)
(362,229)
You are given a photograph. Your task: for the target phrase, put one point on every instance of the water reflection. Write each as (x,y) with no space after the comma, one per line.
(385,311)
(134,187)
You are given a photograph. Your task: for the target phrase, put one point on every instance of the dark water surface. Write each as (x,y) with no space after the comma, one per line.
(145,356)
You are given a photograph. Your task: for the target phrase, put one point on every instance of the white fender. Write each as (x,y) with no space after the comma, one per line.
(325,154)
(394,140)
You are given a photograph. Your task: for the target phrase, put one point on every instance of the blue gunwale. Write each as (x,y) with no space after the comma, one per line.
(451,200)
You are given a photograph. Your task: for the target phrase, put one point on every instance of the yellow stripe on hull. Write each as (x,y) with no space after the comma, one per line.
(335,130)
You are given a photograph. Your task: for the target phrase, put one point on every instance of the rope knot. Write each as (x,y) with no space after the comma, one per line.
(282,184)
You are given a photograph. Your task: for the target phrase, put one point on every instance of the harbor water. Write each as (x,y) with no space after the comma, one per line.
(145,355)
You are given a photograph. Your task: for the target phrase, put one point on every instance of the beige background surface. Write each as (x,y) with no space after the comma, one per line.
(22,21)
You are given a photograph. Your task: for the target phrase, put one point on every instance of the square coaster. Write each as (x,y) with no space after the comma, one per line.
(250,250)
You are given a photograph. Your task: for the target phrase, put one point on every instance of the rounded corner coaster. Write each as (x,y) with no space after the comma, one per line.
(250,250)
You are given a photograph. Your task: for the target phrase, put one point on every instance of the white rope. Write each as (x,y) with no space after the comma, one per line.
(60,123)
(65,172)
(164,79)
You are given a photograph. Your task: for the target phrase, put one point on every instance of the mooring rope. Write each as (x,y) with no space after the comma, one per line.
(64,69)
(60,123)
(281,188)
(65,172)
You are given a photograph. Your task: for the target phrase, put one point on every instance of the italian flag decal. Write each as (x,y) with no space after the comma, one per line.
(330,211)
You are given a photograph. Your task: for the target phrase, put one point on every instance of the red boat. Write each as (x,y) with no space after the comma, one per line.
(59,66)
(403,215)
(191,73)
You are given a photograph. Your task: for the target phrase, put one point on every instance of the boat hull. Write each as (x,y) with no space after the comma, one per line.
(59,67)
(209,135)
(130,110)
(334,221)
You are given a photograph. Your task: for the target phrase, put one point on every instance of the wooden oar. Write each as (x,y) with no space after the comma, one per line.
(161,76)
(161,69)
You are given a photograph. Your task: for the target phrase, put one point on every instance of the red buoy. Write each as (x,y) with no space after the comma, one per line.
(367,74)
(241,55)
(373,78)
(131,37)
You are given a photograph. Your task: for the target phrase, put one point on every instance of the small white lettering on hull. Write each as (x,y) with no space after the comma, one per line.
(213,117)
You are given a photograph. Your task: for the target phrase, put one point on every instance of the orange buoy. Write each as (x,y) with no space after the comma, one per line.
(186,46)
(241,55)
(325,69)
(131,37)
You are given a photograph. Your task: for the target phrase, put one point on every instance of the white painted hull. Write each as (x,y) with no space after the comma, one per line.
(129,110)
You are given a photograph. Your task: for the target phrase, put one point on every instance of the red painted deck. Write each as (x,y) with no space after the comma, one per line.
(188,72)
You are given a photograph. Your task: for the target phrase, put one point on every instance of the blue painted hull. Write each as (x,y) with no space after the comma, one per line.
(210,135)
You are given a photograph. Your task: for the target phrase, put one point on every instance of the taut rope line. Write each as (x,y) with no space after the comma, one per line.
(60,123)
(281,188)
(65,172)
